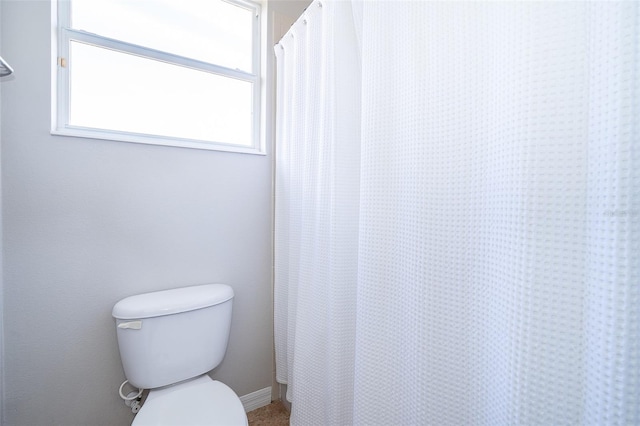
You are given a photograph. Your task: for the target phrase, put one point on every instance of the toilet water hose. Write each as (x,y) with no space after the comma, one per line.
(129,398)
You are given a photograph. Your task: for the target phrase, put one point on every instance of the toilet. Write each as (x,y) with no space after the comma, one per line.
(168,342)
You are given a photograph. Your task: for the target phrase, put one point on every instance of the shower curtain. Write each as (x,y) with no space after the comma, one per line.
(457,229)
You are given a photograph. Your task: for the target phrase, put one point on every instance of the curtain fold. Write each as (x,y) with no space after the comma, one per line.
(317,182)
(457,232)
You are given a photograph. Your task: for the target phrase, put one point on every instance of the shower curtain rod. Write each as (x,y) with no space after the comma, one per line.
(5,68)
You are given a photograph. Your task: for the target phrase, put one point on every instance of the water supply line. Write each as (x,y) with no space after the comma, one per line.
(132,399)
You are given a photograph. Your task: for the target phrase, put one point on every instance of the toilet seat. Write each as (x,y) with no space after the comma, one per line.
(199,401)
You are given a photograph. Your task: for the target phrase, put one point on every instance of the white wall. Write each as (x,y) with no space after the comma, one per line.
(88,222)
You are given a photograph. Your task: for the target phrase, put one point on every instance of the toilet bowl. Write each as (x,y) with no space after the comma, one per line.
(168,341)
(199,401)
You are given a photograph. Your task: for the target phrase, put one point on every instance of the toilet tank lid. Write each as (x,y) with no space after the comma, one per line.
(173,301)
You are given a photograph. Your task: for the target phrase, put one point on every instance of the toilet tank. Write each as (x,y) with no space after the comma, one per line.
(173,335)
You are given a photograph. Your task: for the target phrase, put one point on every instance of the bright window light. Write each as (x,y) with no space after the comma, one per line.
(207,30)
(168,72)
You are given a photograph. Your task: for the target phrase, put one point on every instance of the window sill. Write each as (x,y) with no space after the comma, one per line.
(153,140)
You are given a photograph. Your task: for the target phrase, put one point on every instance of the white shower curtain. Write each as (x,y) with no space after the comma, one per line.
(458,213)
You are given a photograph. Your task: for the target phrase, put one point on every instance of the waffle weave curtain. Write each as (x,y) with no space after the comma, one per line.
(457,230)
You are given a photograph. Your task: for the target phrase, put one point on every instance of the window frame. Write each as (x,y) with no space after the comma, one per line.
(63,35)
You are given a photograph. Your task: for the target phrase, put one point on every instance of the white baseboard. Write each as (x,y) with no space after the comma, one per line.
(256,399)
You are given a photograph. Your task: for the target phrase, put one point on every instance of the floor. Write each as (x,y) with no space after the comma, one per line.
(273,414)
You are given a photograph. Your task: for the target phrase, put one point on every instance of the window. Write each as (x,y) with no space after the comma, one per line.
(168,72)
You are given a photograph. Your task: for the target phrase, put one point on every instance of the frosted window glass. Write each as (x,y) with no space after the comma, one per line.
(122,92)
(212,31)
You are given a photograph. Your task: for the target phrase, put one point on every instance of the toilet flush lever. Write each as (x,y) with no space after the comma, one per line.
(133,325)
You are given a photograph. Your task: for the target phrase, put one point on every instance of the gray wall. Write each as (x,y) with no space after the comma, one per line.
(88,222)
(1,281)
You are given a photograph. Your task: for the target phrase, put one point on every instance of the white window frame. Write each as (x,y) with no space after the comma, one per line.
(63,34)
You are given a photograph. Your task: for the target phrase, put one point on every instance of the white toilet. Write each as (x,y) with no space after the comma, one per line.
(168,341)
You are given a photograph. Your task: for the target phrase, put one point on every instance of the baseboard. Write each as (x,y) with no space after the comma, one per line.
(256,399)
